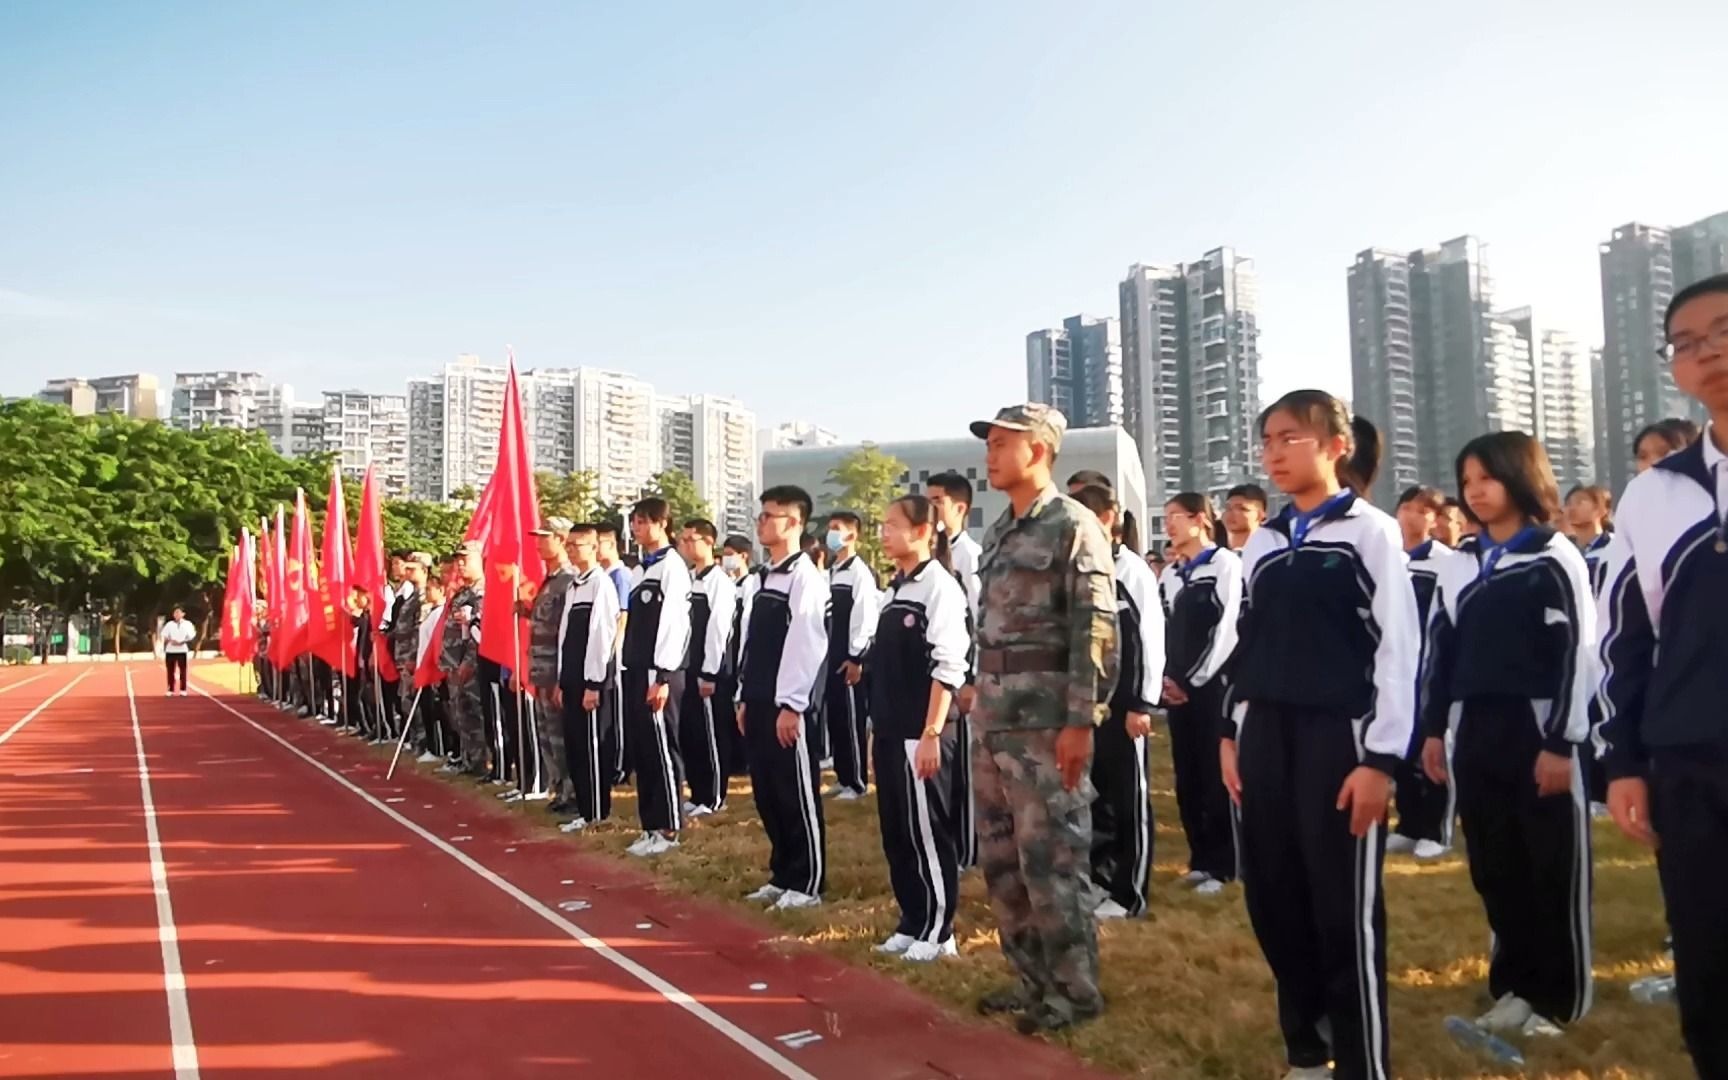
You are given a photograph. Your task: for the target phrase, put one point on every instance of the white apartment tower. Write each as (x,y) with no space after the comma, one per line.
(369,430)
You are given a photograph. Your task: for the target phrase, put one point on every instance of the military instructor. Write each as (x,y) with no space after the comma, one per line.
(1047,657)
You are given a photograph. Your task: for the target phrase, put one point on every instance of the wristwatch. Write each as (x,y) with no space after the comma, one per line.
(931,733)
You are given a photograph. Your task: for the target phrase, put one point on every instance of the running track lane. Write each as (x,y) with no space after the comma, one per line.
(81,983)
(320,929)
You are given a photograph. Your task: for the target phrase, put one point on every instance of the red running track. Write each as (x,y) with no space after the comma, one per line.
(327,919)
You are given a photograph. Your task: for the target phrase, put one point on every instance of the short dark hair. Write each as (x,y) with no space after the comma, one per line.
(1677,431)
(1252,492)
(847,518)
(583,527)
(1096,498)
(1430,498)
(608,528)
(704,528)
(653,509)
(740,545)
(1717,283)
(789,495)
(953,485)
(401,553)
(1091,478)
(1521,465)
(1449,503)
(815,548)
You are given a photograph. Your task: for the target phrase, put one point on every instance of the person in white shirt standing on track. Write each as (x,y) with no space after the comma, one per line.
(176,637)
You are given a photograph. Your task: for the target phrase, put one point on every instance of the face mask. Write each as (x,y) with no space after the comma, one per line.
(732,563)
(836,540)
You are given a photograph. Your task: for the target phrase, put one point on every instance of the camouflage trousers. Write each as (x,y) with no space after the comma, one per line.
(467,712)
(549,726)
(1034,846)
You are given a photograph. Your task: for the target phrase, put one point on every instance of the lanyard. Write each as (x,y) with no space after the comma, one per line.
(1491,554)
(1186,570)
(1301,523)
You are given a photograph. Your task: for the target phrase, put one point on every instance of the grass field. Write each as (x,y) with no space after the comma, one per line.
(1189,993)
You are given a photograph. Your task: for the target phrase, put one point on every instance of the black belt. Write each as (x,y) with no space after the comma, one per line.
(1021,661)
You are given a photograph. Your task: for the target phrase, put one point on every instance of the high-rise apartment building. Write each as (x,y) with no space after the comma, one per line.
(616,433)
(127,395)
(1562,415)
(1383,377)
(368,430)
(1643,266)
(724,460)
(426,439)
(1191,373)
(215,399)
(1077,368)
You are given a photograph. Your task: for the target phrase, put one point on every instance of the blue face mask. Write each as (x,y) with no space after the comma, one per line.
(836,540)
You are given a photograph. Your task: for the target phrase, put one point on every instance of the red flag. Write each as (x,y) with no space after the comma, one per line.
(511,510)
(299,585)
(239,627)
(369,571)
(426,672)
(331,634)
(280,655)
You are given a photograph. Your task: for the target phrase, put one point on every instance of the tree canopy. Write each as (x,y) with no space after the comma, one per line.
(574,495)
(865,482)
(680,493)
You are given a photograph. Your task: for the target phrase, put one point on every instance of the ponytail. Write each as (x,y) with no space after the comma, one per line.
(1357,469)
(1130,532)
(919,510)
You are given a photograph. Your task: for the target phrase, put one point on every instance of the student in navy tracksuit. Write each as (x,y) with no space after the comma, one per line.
(1663,724)
(656,639)
(1122,812)
(585,650)
(1509,671)
(736,562)
(1425,808)
(854,598)
(780,668)
(1202,592)
(951,495)
(917,664)
(705,721)
(1323,697)
(1590,523)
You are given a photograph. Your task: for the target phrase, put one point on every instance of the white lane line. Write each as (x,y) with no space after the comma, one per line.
(37,711)
(23,682)
(748,1042)
(179,1011)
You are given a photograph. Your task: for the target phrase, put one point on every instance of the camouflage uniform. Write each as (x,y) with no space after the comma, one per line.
(545,620)
(457,650)
(404,647)
(1047,656)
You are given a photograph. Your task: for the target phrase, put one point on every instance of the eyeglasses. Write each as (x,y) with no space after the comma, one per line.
(1277,444)
(766,516)
(1687,348)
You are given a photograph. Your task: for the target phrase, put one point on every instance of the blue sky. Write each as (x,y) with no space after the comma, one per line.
(850,214)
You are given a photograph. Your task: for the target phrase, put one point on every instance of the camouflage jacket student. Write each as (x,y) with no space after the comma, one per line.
(1047,611)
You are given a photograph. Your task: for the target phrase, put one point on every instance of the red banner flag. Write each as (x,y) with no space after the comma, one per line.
(331,635)
(369,571)
(278,598)
(299,585)
(513,511)
(427,672)
(239,627)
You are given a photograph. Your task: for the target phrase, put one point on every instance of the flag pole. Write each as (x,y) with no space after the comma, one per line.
(404,736)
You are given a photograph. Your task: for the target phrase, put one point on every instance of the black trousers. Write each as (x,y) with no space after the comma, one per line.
(848,720)
(1208,818)
(323,689)
(360,711)
(733,753)
(1529,859)
(918,836)
(702,724)
(1313,890)
(499,711)
(784,781)
(612,732)
(1425,809)
(585,758)
(176,663)
(1689,808)
(651,744)
(963,815)
(1121,815)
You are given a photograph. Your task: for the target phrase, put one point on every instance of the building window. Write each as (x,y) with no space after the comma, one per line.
(975,519)
(913,490)
(923,474)
(972,473)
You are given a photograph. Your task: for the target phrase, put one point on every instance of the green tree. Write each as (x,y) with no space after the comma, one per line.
(435,528)
(574,495)
(680,493)
(865,482)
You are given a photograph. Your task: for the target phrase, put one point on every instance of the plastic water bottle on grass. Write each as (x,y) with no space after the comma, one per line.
(1654,990)
(1471,1037)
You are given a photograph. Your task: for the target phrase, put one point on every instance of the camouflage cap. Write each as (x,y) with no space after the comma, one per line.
(471,548)
(554,526)
(1041,420)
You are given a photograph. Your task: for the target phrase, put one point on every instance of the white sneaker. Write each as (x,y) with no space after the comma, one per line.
(1509,1014)
(924,952)
(1195,877)
(1110,909)
(896,944)
(1600,811)
(659,845)
(1430,849)
(1309,1072)
(689,808)
(574,825)
(792,899)
(185,693)
(848,795)
(427,758)
(170,693)
(1399,844)
(1209,887)
(510,796)
(1540,1027)
(641,843)
(327,721)
(697,810)
(767,894)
